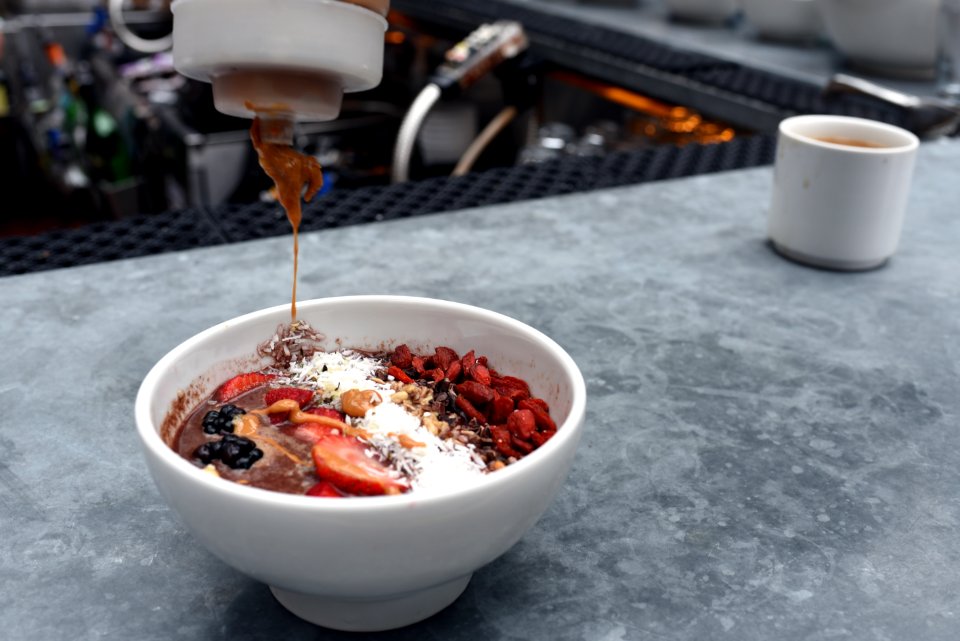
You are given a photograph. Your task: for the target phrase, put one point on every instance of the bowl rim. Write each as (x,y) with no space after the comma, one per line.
(154,445)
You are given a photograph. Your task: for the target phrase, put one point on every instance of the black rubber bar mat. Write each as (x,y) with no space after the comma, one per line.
(586,42)
(192,228)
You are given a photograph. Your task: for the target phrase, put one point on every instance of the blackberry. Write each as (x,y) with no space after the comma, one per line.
(235,451)
(208,452)
(221,421)
(245,462)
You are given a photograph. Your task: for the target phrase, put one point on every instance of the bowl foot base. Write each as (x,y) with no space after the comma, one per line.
(371,615)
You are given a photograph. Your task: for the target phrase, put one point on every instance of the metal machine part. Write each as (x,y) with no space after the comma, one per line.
(929,118)
(465,63)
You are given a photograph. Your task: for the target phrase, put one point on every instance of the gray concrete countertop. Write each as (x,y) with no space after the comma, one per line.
(771,451)
(813,62)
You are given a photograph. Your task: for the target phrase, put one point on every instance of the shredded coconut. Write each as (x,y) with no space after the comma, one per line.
(332,373)
(436,464)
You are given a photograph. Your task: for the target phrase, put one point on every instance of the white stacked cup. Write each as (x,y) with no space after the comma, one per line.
(840,190)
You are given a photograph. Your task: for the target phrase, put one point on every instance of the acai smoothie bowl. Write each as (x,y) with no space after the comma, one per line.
(367,458)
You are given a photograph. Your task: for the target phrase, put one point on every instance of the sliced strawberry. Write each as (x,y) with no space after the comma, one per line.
(241,383)
(326,489)
(343,461)
(301,396)
(329,412)
(310,432)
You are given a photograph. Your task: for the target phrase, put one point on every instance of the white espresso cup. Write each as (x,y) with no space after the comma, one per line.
(840,190)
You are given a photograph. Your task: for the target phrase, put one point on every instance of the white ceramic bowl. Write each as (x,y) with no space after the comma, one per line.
(892,37)
(784,19)
(369,563)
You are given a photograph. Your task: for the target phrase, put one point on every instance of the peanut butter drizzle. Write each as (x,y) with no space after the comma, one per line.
(406,442)
(357,403)
(293,174)
(250,421)
(247,425)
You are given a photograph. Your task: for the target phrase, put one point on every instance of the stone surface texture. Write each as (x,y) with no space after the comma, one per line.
(771,451)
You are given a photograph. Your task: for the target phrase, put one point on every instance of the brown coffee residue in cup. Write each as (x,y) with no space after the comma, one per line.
(849,142)
(295,175)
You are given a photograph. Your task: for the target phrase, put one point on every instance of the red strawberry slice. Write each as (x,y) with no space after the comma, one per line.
(301,396)
(326,489)
(343,461)
(329,412)
(241,383)
(310,432)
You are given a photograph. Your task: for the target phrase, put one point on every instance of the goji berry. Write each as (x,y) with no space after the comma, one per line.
(443,356)
(475,392)
(417,363)
(539,438)
(399,374)
(468,362)
(480,374)
(453,372)
(544,422)
(402,357)
(532,402)
(511,387)
(502,441)
(500,409)
(469,410)
(521,445)
(513,393)
(522,424)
